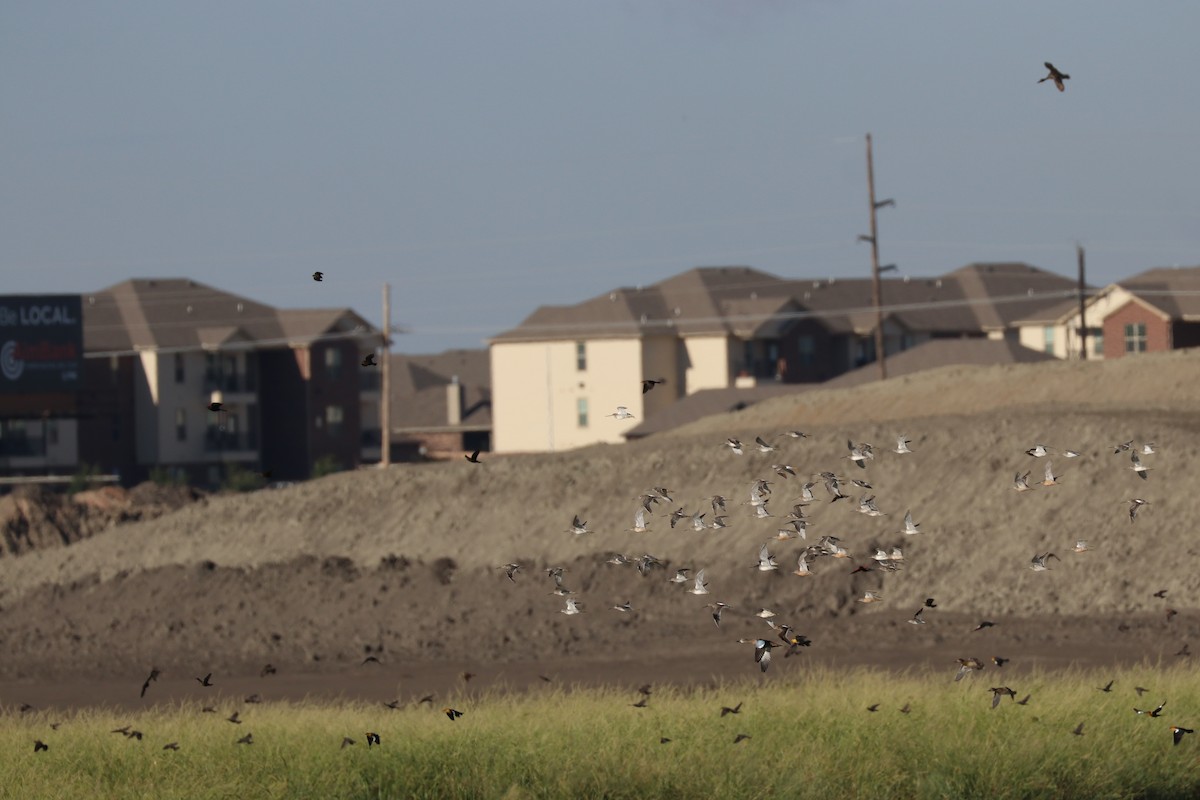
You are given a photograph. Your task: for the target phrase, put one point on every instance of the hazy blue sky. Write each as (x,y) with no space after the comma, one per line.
(486,157)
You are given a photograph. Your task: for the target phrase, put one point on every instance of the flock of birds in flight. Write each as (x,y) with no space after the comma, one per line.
(794,526)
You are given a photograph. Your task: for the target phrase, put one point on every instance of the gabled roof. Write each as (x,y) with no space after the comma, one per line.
(1175,291)
(942,353)
(752,304)
(182,314)
(419,390)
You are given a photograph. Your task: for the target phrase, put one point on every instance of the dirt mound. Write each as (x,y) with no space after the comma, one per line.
(36,518)
(405,562)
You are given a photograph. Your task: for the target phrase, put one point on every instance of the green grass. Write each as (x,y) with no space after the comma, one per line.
(809,738)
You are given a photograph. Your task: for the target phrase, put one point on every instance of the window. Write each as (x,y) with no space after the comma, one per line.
(807,346)
(581,356)
(180,425)
(1048,338)
(51,432)
(1097,337)
(581,411)
(333,362)
(1135,337)
(179,375)
(334,417)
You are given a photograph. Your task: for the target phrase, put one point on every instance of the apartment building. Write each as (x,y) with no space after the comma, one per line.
(559,375)
(158,352)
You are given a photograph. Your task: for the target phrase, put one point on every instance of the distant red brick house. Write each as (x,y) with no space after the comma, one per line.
(1162,312)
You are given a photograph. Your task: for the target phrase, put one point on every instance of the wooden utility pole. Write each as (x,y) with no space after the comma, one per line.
(385,389)
(1083,328)
(876,284)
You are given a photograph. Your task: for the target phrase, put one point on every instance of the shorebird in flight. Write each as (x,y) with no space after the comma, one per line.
(1050,478)
(910,527)
(762,652)
(859,453)
(870,597)
(966,665)
(699,586)
(572,607)
(735,445)
(917,619)
(1038,562)
(717,608)
(902,444)
(1135,505)
(578,527)
(511,570)
(639,522)
(766,561)
(1021,482)
(1056,76)
(1138,467)
(1038,451)
(763,447)
(998,693)
(1081,546)
(621,413)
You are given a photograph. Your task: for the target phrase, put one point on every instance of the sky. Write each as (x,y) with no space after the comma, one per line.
(486,158)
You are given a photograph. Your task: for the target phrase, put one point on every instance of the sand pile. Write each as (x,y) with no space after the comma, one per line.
(405,562)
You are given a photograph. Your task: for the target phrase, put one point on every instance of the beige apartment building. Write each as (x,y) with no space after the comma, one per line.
(558,375)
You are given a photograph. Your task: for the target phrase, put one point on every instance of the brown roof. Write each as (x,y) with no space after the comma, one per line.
(709,402)
(942,353)
(177,313)
(1173,290)
(754,304)
(418,393)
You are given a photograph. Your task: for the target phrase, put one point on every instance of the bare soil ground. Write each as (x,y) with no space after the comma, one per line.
(403,565)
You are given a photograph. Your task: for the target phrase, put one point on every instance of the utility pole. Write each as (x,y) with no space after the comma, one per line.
(385,389)
(1083,329)
(876,284)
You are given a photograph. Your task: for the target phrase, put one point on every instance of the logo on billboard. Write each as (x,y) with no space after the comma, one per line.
(10,365)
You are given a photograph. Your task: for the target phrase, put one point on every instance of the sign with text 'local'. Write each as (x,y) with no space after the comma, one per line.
(41,343)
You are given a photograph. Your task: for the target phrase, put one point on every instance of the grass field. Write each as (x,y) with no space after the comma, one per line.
(810,738)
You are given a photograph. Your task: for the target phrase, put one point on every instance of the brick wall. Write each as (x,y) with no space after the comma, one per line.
(1158,330)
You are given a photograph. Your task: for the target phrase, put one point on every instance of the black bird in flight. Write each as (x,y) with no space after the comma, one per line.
(393,704)
(1107,687)
(254,698)
(984,624)
(171,746)
(370,660)
(318,276)
(643,703)
(1056,76)
(372,738)
(473,458)
(347,741)
(269,669)
(153,677)
(930,603)
(206,680)
(735,710)
(39,745)
(214,407)
(740,737)
(1176,731)
(650,383)
(247,739)
(369,361)
(233,718)
(452,713)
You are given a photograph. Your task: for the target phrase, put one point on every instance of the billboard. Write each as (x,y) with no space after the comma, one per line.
(41,343)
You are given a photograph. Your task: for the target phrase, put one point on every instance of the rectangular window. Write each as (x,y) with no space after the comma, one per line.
(52,432)
(334,416)
(581,356)
(1097,337)
(581,411)
(1135,337)
(333,361)
(179,375)
(180,425)
(807,346)
(1048,333)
